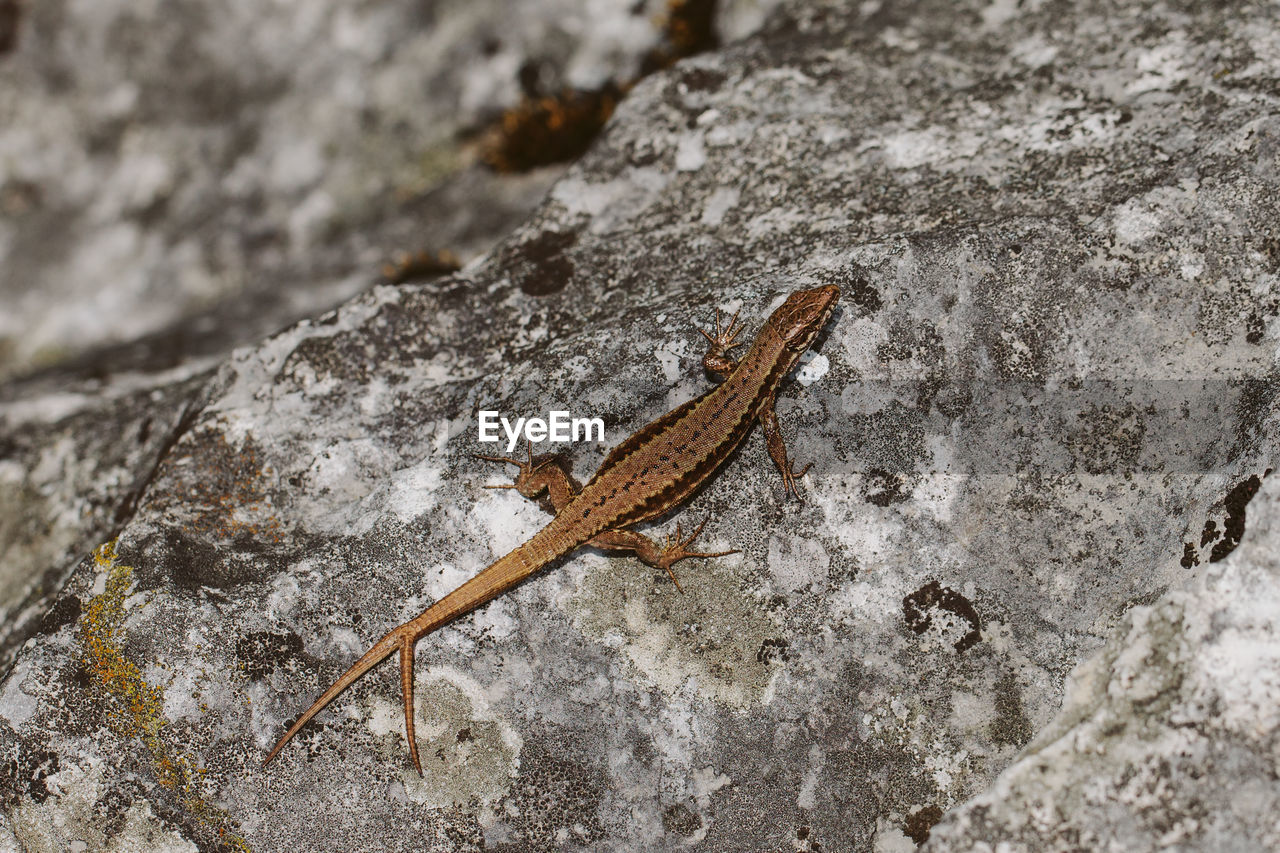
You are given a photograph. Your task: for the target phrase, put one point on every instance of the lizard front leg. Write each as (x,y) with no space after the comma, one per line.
(778,448)
(542,478)
(717,361)
(672,550)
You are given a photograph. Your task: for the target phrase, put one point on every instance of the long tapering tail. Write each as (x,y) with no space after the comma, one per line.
(494,580)
(372,658)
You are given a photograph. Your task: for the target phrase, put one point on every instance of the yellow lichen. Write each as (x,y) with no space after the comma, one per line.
(135,708)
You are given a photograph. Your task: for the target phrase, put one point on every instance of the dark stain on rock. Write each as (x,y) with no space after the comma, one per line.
(678,819)
(855,283)
(23,776)
(463,830)
(10,20)
(1189,556)
(1108,438)
(688,28)
(556,128)
(1233,528)
(952,399)
(111,809)
(919,340)
(554,801)
(194,563)
(883,487)
(262,652)
(920,821)
(405,267)
(1255,328)
(702,79)
(1271,251)
(1210,532)
(65,611)
(540,266)
(918,610)
(863,294)
(551,129)
(216,490)
(773,649)
(1011,727)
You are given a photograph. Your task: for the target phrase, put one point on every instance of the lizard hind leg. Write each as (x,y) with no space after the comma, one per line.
(664,556)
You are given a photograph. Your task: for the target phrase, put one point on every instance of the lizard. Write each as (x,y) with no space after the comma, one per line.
(646,476)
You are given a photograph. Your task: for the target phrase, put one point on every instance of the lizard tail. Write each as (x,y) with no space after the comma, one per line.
(493,581)
(381,650)
(401,638)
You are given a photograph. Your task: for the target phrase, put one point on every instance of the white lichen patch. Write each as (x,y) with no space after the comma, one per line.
(720,202)
(1160,729)
(797,563)
(16,705)
(711,634)
(66,819)
(469,755)
(415,490)
(611,204)
(672,357)
(691,152)
(812,367)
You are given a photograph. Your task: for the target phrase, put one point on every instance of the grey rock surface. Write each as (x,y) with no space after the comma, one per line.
(1169,738)
(178,177)
(1037,426)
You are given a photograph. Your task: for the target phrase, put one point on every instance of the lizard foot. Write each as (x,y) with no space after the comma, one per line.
(789,481)
(723,339)
(542,478)
(676,546)
(527,481)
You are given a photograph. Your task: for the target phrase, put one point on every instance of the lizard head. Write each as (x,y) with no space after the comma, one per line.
(798,320)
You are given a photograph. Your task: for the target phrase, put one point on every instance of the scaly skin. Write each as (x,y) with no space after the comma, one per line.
(647,475)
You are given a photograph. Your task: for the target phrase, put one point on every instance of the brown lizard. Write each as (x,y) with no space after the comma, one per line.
(647,475)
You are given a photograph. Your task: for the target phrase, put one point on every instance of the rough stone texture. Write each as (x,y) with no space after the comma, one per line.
(1037,424)
(1169,737)
(73,465)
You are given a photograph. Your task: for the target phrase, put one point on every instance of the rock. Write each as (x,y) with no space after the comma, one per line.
(1169,736)
(179,179)
(1038,423)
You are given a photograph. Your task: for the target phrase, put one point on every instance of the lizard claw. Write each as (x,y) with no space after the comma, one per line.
(524,479)
(675,548)
(789,481)
(724,338)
